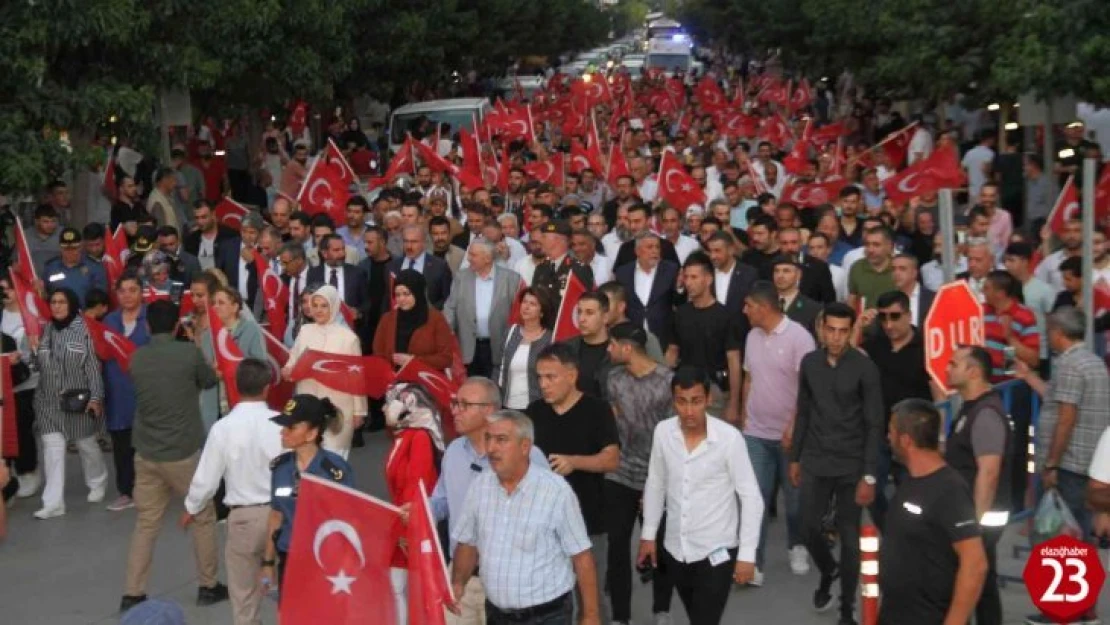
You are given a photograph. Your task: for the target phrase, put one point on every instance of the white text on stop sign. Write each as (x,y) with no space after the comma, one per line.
(962,332)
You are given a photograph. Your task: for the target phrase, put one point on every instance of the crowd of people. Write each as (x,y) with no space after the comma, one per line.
(723,353)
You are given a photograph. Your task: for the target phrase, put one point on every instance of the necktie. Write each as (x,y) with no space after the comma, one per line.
(334,280)
(297,298)
(782,304)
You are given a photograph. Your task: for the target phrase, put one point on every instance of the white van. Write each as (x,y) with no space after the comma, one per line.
(457,112)
(669,55)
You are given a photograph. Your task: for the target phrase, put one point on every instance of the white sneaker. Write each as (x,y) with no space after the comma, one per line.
(29,484)
(757,579)
(44,513)
(96,495)
(799,560)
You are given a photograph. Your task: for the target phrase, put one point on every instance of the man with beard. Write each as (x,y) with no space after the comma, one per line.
(1072,239)
(618,236)
(625,197)
(817,283)
(590,189)
(639,223)
(440,229)
(293,175)
(514,200)
(526,266)
(127,209)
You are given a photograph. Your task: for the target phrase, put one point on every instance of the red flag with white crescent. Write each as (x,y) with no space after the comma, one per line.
(549,171)
(109,344)
(814,194)
(228,354)
(277,356)
(1065,209)
(676,186)
(298,118)
(580,159)
(710,95)
(275,294)
(941,169)
(439,386)
(439,164)
(338,568)
(403,163)
(357,375)
(24,264)
(566,323)
(231,213)
(471,154)
(32,308)
(802,96)
(618,165)
(325,190)
(429,586)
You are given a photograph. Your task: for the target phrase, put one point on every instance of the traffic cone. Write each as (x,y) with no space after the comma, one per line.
(869,574)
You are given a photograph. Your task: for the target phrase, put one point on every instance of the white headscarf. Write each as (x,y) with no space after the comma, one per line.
(330,293)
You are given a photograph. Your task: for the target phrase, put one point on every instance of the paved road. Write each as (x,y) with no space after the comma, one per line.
(69,571)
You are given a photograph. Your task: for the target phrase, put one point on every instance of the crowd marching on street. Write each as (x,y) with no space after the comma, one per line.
(612,330)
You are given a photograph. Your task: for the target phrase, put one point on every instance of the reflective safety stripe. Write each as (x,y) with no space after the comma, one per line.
(869,567)
(995,518)
(870,591)
(869,544)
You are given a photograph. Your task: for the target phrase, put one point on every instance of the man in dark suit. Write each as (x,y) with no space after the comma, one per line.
(210,235)
(650,283)
(235,257)
(639,222)
(348,279)
(787,276)
(905,274)
(732,279)
(183,265)
(551,275)
(436,272)
(817,282)
(476,217)
(377,268)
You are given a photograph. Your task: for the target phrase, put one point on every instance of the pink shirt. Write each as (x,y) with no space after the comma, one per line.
(1000,230)
(773,360)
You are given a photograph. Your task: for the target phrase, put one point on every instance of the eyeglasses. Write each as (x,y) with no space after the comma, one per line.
(893,317)
(456,403)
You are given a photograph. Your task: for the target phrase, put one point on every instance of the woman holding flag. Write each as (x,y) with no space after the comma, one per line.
(327,333)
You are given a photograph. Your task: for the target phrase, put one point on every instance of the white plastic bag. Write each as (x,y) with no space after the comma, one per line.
(1053,518)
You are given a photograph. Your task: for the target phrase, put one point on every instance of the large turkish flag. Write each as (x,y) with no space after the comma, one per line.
(338,567)
(429,586)
(228,354)
(357,375)
(109,344)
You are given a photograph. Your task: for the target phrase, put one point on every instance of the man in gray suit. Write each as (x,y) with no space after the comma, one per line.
(478,309)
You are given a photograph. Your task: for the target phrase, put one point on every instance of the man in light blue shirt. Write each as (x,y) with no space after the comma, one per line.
(463,460)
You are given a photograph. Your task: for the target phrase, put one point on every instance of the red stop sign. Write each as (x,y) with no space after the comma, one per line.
(955,319)
(1064,577)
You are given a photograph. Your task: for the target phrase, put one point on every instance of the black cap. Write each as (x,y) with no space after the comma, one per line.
(305,408)
(784,259)
(556,226)
(93,231)
(628,331)
(70,237)
(570,211)
(144,240)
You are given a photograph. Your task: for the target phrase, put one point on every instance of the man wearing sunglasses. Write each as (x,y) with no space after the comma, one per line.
(463,460)
(899,353)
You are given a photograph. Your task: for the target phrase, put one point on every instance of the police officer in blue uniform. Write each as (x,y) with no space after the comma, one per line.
(303,421)
(72,270)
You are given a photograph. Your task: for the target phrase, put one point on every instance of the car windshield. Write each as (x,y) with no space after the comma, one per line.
(421,124)
(669,62)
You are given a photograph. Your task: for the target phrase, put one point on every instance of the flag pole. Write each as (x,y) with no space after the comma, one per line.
(1088,292)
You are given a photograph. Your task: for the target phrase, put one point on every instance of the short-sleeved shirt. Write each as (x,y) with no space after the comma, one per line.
(1080,378)
(902,372)
(1023,324)
(1039,298)
(705,336)
(867,283)
(640,404)
(773,360)
(927,516)
(525,539)
(584,430)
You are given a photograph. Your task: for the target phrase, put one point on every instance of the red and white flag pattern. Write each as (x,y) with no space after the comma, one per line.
(228,354)
(32,308)
(814,194)
(109,344)
(357,375)
(1065,209)
(231,213)
(429,585)
(676,186)
(566,322)
(940,170)
(277,355)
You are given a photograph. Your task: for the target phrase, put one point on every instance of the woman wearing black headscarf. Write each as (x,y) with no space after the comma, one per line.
(413,329)
(68,403)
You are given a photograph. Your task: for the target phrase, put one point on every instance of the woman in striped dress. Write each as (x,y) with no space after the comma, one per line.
(67,362)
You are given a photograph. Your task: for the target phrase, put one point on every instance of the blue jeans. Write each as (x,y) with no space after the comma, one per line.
(769,462)
(1073,488)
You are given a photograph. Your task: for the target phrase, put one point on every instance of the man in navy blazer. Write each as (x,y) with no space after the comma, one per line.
(208,227)
(351,281)
(906,279)
(436,272)
(654,300)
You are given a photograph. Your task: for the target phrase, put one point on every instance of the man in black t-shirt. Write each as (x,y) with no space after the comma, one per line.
(591,348)
(705,335)
(933,564)
(579,435)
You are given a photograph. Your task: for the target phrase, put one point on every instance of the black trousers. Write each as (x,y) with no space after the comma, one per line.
(989,609)
(1021,411)
(621,513)
(28,459)
(482,363)
(817,492)
(703,588)
(123,456)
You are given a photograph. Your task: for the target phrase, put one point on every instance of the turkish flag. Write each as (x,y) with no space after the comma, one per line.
(710,95)
(575,123)
(580,159)
(940,170)
(511,125)
(275,294)
(23,263)
(775,92)
(113,263)
(829,133)
(277,356)
(187,305)
(514,310)
(9,439)
(429,585)
(802,95)
(403,163)
(676,92)
(109,184)
(338,567)
(32,308)
(1101,297)
(618,165)
(814,194)
(436,162)
(228,354)
(736,123)
(896,145)
(775,130)
(593,148)
(1066,207)
(471,155)
(439,386)
(298,117)
(325,190)
(1102,199)
(549,171)
(798,159)
(357,375)
(109,344)
(676,186)
(566,325)
(590,89)
(231,213)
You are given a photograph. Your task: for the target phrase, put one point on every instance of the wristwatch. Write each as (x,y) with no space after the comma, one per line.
(869,480)
(269,562)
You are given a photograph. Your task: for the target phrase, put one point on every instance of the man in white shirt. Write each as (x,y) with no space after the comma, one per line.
(294,268)
(239,450)
(671,222)
(921,144)
(584,247)
(1049,268)
(646,185)
(711,539)
(977,162)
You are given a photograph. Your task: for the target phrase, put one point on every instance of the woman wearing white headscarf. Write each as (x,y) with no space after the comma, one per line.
(328,334)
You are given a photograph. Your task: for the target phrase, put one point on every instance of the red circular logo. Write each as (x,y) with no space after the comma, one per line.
(1064,577)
